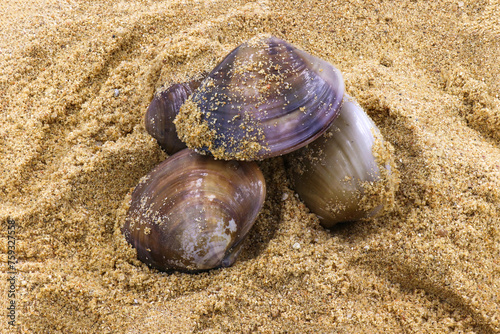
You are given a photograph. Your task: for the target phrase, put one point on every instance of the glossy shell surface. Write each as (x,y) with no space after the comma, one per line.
(192,213)
(346,174)
(162,111)
(265,99)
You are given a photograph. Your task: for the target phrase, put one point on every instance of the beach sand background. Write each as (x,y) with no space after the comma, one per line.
(75,80)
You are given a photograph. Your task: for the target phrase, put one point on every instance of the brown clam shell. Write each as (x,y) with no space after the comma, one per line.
(348,173)
(265,99)
(161,113)
(192,212)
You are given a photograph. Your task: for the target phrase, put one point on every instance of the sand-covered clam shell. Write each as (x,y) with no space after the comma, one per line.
(161,113)
(265,99)
(192,212)
(348,173)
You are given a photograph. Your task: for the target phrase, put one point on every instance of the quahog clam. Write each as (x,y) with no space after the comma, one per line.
(161,113)
(192,212)
(348,173)
(266,98)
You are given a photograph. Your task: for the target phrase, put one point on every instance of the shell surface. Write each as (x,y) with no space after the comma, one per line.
(347,174)
(265,99)
(162,111)
(192,213)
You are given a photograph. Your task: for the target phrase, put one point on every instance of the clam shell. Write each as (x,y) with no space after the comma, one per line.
(162,111)
(192,212)
(348,173)
(265,99)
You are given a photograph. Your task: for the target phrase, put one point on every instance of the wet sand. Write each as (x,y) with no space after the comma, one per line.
(75,81)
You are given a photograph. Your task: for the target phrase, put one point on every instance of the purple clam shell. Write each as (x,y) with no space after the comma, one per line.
(265,99)
(192,212)
(161,114)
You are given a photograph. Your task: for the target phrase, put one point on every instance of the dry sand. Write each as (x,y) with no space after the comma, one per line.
(75,80)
